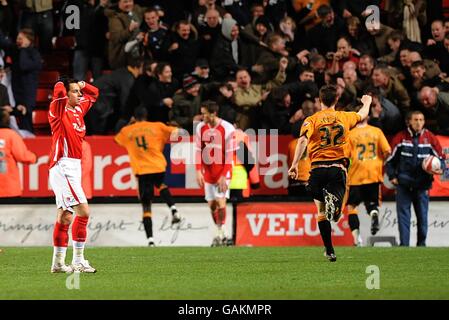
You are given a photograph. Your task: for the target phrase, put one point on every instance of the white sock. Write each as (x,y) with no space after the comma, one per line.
(59,255)
(78,252)
(220,231)
(173,208)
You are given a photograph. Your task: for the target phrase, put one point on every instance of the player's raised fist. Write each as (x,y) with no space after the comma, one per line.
(366,99)
(293,172)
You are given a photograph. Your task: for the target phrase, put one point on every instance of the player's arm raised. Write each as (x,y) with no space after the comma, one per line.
(300,148)
(364,111)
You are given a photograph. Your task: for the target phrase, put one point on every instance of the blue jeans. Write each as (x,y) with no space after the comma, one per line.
(81,61)
(42,25)
(405,197)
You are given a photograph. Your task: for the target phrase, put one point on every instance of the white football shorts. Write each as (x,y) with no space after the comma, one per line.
(65,180)
(211,191)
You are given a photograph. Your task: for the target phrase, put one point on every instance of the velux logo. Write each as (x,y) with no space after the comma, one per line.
(286,224)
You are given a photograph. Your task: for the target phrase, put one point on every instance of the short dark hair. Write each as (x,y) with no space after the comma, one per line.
(416,64)
(141,113)
(134,62)
(411,113)
(328,95)
(396,35)
(211,106)
(160,67)
(67,81)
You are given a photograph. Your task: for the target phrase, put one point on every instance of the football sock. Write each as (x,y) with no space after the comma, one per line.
(325,230)
(353,220)
(173,209)
(79,234)
(148,224)
(166,195)
(59,255)
(221,216)
(214,213)
(60,242)
(78,252)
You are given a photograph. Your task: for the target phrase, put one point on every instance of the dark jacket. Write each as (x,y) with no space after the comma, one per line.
(185,107)
(119,34)
(152,100)
(182,60)
(114,89)
(409,149)
(222,63)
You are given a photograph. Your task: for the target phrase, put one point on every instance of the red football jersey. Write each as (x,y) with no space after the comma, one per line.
(67,125)
(215,148)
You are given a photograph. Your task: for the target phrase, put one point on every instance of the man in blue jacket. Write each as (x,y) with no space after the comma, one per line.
(404,168)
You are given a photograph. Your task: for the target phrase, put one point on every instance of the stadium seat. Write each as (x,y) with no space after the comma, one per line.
(64,43)
(40,122)
(48,78)
(43,97)
(60,61)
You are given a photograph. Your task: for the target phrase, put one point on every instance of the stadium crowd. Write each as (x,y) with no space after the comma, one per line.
(168,56)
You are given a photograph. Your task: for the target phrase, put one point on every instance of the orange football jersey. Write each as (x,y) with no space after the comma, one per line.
(327,132)
(368,147)
(145,143)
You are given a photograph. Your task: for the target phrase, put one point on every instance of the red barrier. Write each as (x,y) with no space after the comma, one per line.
(112,175)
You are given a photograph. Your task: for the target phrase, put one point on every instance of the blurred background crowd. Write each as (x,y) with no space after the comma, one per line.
(170,55)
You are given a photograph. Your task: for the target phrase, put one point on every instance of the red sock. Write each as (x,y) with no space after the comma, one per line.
(79,229)
(222,215)
(215,215)
(61,235)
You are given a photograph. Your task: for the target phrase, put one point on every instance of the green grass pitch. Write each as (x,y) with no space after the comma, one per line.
(284,273)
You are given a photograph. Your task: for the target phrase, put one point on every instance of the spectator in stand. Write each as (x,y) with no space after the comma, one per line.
(384,114)
(444,64)
(348,9)
(344,53)
(199,18)
(436,108)
(276,111)
(324,36)
(12,150)
(209,33)
(380,36)
(90,39)
(158,99)
(201,72)
(269,58)
(249,97)
(435,47)
(25,68)
(38,16)
(229,53)
(391,88)
(183,48)
(124,22)
(6,18)
(109,112)
(186,105)
(318,65)
(423,76)
(358,37)
(155,34)
(259,30)
(404,169)
(366,67)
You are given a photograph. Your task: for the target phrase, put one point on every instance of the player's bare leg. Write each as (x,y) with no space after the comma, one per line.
(79,234)
(60,241)
(326,231)
(354,224)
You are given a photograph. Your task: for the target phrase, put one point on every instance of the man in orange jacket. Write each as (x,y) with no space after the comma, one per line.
(12,150)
